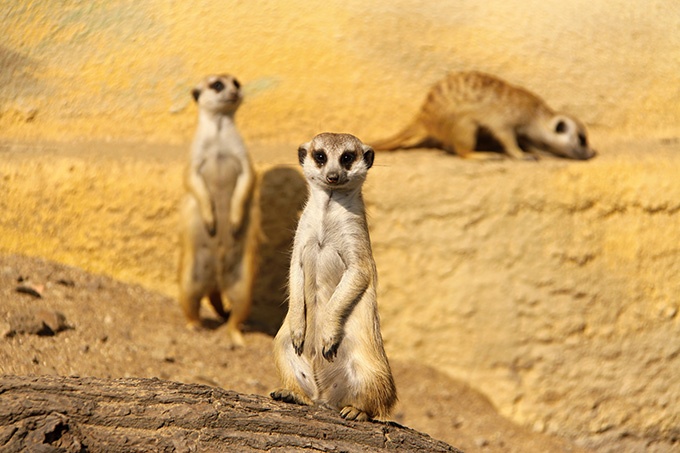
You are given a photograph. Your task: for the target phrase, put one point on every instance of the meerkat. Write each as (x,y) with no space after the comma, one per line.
(467,106)
(329,349)
(219,213)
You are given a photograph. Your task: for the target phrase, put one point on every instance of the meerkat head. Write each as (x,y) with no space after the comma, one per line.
(567,137)
(218,94)
(335,161)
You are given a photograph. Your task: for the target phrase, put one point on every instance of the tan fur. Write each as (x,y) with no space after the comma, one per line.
(465,104)
(220,218)
(329,349)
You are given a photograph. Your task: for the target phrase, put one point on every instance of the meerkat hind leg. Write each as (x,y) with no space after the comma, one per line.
(233,327)
(218,306)
(190,295)
(239,298)
(240,294)
(463,136)
(191,307)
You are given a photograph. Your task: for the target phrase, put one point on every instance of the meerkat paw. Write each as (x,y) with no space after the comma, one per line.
(194,325)
(288,396)
(236,339)
(298,341)
(330,348)
(208,214)
(211,227)
(352,413)
(531,157)
(236,220)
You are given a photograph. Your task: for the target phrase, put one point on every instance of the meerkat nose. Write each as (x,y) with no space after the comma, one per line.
(332,178)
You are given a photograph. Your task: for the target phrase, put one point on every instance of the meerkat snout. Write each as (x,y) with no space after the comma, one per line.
(569,139)
(332,177)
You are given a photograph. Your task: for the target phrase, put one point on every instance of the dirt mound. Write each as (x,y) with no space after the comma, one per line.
(111,329)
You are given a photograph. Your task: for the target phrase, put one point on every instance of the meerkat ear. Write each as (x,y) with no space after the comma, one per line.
(369,155)
(302,152)
(195,93)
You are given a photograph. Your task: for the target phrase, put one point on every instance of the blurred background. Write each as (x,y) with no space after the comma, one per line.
(121,69)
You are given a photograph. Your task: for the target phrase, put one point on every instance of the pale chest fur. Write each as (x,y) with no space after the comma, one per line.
(329,239)
(218,154)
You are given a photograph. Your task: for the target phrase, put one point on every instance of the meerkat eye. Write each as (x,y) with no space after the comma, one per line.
(347,158)
(237,84)
(561,127)
(319,157)
(217,85)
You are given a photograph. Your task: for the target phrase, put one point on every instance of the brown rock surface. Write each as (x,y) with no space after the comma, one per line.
(76,414)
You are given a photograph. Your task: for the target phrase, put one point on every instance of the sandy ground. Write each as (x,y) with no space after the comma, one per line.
(112,329)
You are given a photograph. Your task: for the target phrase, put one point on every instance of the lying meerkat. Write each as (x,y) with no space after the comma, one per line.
(220,216)
(466,106)
(329,349)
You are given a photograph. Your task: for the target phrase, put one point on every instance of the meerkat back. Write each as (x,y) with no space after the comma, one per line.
(466,106)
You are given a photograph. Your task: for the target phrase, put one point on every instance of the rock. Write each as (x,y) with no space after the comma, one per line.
(43,322)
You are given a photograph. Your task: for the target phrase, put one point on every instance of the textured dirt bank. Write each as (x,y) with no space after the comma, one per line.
(549,286)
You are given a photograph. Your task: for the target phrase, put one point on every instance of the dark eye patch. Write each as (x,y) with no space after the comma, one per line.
(237,84)
(217,85)
(347,159)
(319,157)
(561,127)
(582,140)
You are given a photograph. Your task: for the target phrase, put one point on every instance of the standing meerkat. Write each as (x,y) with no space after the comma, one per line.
(465,106)
(329,349)
(220,216)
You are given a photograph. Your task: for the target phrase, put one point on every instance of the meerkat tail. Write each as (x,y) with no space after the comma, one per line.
(410,137)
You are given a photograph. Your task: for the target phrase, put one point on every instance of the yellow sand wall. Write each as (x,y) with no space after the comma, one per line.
(122,69)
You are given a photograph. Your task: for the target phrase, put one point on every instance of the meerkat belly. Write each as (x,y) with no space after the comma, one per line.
(221,176)
(329,270)
(339,382)
(216,256)
(323,269)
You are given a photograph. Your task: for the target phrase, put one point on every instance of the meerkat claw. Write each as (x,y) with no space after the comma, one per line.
(287,396)
(352,413)
(330,353)
(299,348)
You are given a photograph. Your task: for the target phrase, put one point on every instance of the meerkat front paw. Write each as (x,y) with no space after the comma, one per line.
(330,348)
(210,225)
(298,340)
(352,413)
(208,214)
(236,219)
